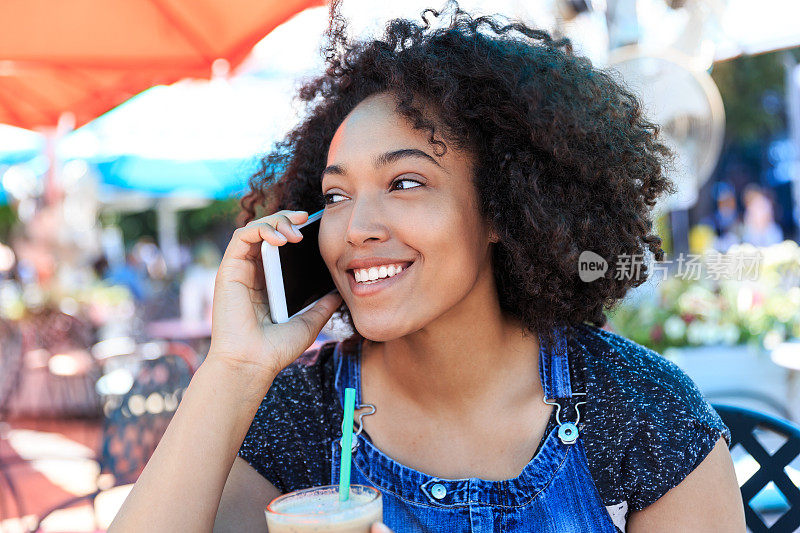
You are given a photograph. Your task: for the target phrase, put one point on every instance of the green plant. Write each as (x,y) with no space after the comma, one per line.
(763,310)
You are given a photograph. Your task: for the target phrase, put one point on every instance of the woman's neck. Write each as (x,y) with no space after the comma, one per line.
(462,361)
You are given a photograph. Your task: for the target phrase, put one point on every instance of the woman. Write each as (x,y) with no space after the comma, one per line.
(481,160)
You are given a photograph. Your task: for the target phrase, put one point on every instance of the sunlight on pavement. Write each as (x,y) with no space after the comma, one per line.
(79,519)
(108,503)
(30,444)
(76,519)
(17,525)
(64,462)
(68,465)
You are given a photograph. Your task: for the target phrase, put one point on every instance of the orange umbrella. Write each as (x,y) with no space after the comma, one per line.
(87,56)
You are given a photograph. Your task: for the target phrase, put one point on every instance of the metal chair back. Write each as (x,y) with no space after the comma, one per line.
(134,423)
(774,444)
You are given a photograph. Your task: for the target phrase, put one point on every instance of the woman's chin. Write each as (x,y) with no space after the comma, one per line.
(378,332)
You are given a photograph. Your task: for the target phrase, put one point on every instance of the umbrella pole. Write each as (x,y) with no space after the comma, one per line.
(167,220)
(52,185)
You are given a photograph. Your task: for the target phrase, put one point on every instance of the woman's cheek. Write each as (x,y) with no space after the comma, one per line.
(327,244)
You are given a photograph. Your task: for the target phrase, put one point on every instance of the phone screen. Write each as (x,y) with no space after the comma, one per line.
(305,276)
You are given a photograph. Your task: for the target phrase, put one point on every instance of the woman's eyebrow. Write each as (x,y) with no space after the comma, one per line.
(390,157)
(387,159)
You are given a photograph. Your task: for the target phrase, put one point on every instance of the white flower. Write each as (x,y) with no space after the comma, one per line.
(697,332)
(730,334)
(674,327)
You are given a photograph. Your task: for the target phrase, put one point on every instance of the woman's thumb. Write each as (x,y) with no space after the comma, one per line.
(313,320)
(327,305)
(379,527)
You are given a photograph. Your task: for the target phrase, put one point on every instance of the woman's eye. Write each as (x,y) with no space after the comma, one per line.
(328,198)
(407,179)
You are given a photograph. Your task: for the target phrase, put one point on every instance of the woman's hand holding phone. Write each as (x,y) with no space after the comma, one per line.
(242,333)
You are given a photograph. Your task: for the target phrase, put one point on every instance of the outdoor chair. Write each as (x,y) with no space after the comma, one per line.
(11,357)
(135,421)
(57,373)
(769,475)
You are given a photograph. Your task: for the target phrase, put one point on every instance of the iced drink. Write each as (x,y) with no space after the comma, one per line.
(319,510)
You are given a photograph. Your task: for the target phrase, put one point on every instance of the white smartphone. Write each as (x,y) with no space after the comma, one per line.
(295,273)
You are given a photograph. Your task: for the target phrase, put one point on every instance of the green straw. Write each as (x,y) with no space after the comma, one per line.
(347,443)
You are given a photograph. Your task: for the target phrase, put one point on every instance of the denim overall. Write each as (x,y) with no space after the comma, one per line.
(554,493)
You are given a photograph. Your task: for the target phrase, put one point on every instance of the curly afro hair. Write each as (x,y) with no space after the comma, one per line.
(565,159)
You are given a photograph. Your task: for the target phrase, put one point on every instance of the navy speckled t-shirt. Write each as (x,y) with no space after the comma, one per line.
(645,425)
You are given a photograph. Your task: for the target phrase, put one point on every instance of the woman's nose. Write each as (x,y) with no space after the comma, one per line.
(367,221)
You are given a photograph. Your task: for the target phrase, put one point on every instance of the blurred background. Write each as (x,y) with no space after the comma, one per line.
(128,131)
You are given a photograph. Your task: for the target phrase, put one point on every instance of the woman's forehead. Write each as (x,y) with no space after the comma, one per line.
(374,128)
(374,124)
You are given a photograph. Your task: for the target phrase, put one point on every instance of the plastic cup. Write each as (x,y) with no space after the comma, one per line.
(319,510)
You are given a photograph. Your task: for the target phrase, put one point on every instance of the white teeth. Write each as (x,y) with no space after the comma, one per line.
(372,274)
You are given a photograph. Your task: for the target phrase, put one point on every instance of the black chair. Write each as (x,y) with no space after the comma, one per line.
(135,422)
(753,430)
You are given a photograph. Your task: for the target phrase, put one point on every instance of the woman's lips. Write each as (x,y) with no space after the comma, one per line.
(362,289)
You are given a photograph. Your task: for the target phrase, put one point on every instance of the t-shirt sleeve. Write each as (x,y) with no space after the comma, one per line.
(649,425)
(676,430)
(286,440)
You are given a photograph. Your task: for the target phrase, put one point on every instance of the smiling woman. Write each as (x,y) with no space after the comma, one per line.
(461,172)
(483,163)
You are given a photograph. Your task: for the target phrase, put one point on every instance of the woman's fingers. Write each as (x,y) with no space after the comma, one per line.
(244,240)
(284,226)
(293,217)
(379,527)
(282,222)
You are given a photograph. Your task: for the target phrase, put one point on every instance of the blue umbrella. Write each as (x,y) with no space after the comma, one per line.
(211,178)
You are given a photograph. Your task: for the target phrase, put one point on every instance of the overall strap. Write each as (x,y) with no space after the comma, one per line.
(554,365)
(346,360)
